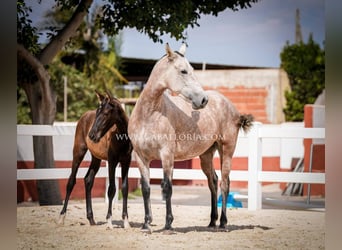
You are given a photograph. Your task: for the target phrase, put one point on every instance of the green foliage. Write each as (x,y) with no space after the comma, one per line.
(26,34)
(80,92)
(99,72)
(158,17)
(305,67)
(28,37)
(23,108)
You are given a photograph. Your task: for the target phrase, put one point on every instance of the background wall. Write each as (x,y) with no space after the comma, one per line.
(256,91)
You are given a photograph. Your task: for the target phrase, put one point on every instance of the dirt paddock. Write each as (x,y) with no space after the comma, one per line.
(263,229)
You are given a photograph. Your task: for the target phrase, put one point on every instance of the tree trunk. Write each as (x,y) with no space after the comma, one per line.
(48,190)
(43,112)
(43,108)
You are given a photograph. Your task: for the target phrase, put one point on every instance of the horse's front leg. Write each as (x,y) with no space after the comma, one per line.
(89,182)
(78,155)
(167,191)
(146,192)
(112,162)
(124,175)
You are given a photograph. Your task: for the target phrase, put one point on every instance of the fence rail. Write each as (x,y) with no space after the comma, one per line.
(255,176)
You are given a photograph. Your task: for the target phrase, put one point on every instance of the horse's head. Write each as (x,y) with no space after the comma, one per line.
(108,113)
(180,78)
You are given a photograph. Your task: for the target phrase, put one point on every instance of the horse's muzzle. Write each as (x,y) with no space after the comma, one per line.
(92,136)
(201,104)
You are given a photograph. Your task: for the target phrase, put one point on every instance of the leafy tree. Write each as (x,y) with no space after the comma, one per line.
(305,67)
(83,82)
(153,17)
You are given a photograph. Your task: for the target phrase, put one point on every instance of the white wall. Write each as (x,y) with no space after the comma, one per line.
(318,120)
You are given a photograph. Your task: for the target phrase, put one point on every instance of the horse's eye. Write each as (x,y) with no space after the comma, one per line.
(184,72)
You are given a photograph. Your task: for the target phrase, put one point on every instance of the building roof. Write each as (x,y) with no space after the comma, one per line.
(136,69)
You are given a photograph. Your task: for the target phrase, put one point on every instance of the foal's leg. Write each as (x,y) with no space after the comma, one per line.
(88,183)
(209,171)
(78,154)
(112,163)
(124,177)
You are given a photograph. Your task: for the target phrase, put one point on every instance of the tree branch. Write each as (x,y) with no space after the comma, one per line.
(36,65)
(56,44)
(43,83)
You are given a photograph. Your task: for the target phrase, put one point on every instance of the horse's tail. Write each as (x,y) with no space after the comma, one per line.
(245,122)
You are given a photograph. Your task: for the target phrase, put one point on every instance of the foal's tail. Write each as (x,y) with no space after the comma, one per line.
(245,122)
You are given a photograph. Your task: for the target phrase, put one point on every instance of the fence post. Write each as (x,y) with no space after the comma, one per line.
(254,167)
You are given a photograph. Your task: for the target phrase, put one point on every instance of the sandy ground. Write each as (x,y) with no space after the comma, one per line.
(270,228)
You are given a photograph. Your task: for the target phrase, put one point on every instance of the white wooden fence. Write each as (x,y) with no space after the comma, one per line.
(255,176)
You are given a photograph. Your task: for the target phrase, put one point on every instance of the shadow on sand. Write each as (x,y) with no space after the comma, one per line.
(229,228)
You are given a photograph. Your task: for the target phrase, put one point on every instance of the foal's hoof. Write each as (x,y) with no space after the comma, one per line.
(146,229)
(169,231)
(109,224)
(92,222)
(60,220)
(212,225)
(126,224)
(223,228)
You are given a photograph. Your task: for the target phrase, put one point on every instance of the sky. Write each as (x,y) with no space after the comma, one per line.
(248,37)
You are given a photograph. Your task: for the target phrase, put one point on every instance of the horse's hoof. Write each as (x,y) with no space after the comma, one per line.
(92,222)
(168,227)
(212,225)
(223,228)
(146,229)
(109,224)
(61,219)
(126,224)
(169,231)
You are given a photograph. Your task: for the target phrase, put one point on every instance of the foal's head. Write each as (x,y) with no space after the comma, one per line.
(108,113)
(180,78)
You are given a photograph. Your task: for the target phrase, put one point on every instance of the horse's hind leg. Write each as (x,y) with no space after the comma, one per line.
(78,155)
(88,183)
(208,169)
(226,152)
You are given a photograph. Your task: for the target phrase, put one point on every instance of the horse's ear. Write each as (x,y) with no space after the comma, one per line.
(182,49)
(99,96)
(108,94)
(169,52)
